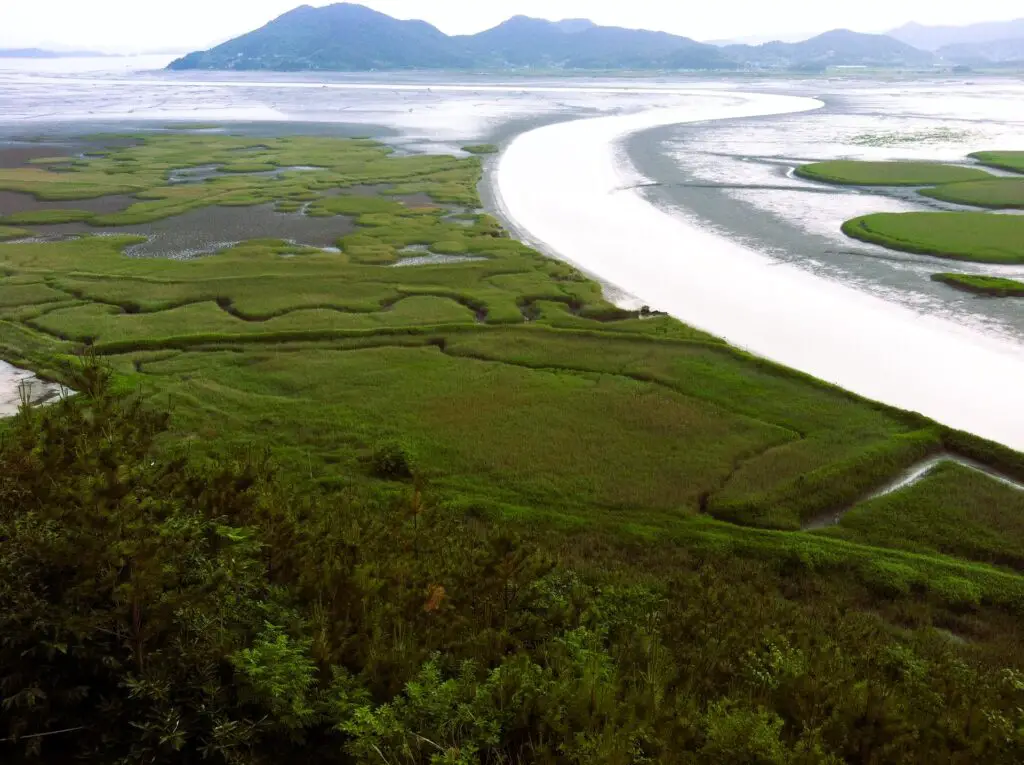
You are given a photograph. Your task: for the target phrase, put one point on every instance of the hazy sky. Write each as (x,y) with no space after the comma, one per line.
(134,25)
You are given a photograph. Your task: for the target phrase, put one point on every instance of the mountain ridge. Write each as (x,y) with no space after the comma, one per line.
(932,38)
(349,37)
(994,52)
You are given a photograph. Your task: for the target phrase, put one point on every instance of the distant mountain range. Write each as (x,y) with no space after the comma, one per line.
(935,38)
(840,47)
(996,52)
(348,37)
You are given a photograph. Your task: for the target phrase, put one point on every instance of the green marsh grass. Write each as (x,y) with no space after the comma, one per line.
(953,511)
(974,236)
(996,194)
(1005,160)
(10,232)
(46,217)
(860,173)
(481,148)
(993,286)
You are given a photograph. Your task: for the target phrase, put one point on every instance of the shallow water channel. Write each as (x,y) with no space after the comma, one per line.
(912,475)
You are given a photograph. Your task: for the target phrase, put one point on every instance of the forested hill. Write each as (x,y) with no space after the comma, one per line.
(348,37)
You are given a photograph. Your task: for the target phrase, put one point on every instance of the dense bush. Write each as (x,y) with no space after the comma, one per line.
(392,461)
(166,611)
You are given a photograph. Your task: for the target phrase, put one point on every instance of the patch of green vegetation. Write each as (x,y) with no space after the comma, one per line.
(858,173)
(51,160)
(143,169)
(247,167)
(974,236)
(64,186)
(9,232)
(46,217)
(994,286)
(954,510)
(107,324)
(14,293)
(997,194)
(1005,160)
(482,148)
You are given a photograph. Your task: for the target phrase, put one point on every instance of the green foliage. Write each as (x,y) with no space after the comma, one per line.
(743,735)
(889,173)
(974,236)
(122,585)
(994,286)
(278,674)
(392,461)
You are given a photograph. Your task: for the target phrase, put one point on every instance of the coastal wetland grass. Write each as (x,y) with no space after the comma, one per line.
(992,286)
(953,511)
(996,194)
(1004,160)
(46,217)
(523,393)
(973,236)
(481,149)
(861,173)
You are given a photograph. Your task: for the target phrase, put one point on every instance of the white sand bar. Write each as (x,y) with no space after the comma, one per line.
(568,188)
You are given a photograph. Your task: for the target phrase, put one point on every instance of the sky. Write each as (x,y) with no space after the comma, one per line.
(123,26)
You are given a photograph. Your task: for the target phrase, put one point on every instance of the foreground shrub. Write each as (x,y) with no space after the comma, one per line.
(391,461)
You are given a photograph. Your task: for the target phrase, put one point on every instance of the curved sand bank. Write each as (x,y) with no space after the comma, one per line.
(568,188)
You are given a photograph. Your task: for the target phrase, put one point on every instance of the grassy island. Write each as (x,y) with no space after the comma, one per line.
(982,285)
(996,194)
(1005,160)
(9,232)
(415,493)
(961,236)
(857,173)
(481,149)
(974,236)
